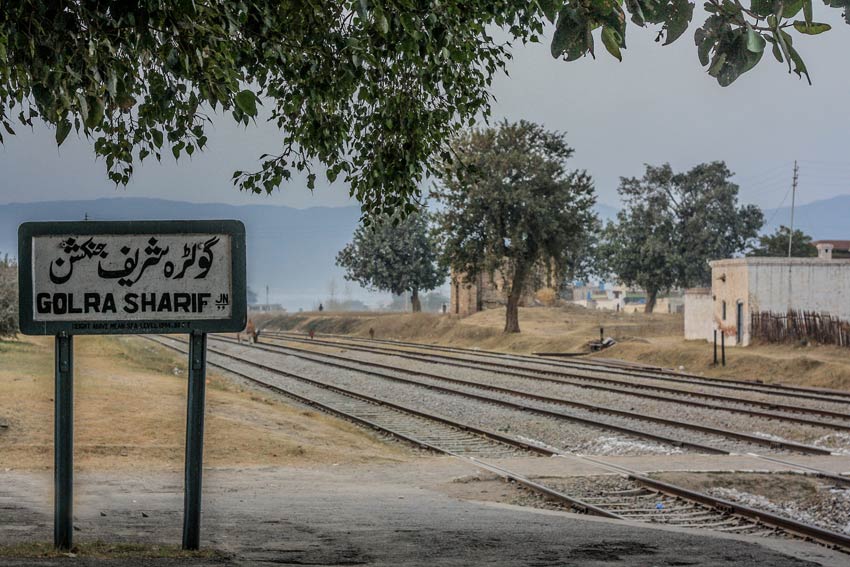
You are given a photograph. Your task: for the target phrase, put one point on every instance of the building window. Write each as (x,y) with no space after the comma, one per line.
(723,315)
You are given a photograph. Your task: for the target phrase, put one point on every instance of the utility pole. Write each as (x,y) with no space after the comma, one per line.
(267,296)
(793,198)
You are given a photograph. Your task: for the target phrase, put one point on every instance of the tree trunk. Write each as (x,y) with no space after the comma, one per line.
(651,300)
(512,312)
(414,301)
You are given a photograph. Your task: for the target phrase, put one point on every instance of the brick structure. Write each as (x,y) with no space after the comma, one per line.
(487,291)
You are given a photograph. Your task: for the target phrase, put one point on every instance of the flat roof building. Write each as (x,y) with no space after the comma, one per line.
(742,288)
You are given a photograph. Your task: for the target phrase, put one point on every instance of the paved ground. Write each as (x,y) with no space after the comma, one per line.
(379,516)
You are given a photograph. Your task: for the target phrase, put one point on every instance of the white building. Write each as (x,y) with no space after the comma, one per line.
(741,287)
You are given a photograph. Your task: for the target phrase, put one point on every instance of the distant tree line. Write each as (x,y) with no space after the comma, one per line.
(508,201)
(8,297)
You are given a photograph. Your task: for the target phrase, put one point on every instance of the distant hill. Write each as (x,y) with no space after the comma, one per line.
(293,250)
(290,250)
(826,219)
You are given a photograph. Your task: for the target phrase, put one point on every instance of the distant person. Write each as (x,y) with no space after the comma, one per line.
(444,308)
(371,333)
(312,334)
(321,308)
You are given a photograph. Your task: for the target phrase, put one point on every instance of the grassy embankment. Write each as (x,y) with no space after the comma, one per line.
(130,412)
(655,339)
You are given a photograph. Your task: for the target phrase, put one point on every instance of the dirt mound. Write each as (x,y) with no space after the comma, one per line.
(655,339)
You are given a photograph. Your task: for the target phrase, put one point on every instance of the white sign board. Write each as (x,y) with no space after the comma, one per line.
(132,277)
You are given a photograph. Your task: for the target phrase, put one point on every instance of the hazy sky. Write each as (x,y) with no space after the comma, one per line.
(658,105)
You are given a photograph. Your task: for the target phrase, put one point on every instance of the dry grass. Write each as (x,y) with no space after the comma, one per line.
(130,408)
(102,550)
(654,339)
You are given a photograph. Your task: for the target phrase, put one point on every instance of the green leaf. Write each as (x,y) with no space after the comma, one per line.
(572,36)
(761,7)
(755,42)
(611,39)
(807,11)
(813,28)
(157,138)
(791,8)
(549,8)
(777,53)
(636,12)
(383,24)
(246,101)
(561,38)
(704,45)
(95,116)
(717,65)
(62,131)
(678,20)
(799,66)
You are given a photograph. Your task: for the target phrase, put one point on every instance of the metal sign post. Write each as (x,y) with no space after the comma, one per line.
(194,440)
(63,439)
(135,277)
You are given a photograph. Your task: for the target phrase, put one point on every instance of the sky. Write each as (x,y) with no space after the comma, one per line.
(657,106)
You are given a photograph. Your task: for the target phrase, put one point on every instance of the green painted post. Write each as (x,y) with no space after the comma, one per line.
(194,441)
(63,440)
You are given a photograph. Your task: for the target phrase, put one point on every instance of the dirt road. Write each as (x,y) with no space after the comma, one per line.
(365,515)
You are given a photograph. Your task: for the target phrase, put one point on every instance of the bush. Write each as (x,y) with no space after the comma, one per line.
(8,298)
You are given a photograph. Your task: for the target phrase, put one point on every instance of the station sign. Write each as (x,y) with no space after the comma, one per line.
(132,277)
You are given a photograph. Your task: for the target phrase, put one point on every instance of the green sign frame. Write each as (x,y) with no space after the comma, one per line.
(239,308)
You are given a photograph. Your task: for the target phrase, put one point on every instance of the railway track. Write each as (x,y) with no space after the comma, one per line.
(819,394)
(628,417)
(648,500)
(773,409)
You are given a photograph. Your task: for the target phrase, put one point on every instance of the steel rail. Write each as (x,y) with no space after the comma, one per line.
(824,536)
(808,531)
(512,405)
(497,401)
(406,409)
(757,385)
(577,381)
(826,475)
(581,506)
(775,444)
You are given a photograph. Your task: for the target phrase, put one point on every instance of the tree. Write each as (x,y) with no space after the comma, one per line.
(8,297)
(251,296)
(511,204)
(394,255)
(369,90)
(673,224)
(776,244)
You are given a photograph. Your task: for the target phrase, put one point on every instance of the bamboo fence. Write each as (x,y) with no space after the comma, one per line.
(795,326)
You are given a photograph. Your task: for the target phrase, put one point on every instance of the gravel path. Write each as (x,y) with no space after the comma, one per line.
(488,415)
(556,433)
(706,386)
(684,434)
(759,426)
